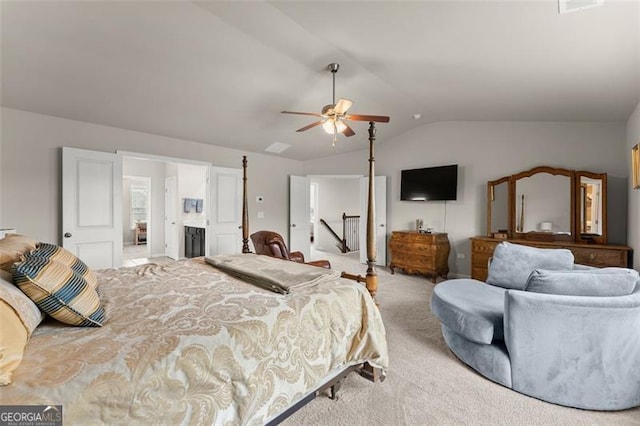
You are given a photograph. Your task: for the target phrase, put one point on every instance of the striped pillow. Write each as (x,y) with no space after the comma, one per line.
(59,254)
(59,291)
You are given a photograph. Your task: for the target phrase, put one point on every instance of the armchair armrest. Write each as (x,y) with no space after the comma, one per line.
(296,256)
(575,350)
(321,263)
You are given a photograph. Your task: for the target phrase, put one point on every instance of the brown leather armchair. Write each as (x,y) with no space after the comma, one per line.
(271,244)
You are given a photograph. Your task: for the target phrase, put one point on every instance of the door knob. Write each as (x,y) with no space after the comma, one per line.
(67,235)
(293,225)
(382,225)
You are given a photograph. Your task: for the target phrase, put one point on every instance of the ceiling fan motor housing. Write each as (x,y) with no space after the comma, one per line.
(328,110)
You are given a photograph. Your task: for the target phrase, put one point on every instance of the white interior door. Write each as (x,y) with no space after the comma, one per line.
(380,218)
(92,206)
(171,246)
(299,215)
(225,223)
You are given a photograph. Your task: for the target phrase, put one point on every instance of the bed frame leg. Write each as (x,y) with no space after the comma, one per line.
(371,373)
(333,395)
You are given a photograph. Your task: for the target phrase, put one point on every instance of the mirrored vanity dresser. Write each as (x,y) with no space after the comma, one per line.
(549,207)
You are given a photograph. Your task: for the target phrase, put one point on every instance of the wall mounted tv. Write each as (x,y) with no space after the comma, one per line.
(429,184)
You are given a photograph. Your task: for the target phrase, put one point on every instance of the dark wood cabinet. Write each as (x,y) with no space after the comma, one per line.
(420,253)
(194,241)
(600,255)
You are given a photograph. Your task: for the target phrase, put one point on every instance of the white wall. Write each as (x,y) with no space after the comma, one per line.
(336,195)
(633,138)
(31,169)
(485,151)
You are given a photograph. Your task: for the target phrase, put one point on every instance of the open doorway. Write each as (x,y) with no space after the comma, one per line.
(136,224)
(331,197)
(335,201)
(145,231)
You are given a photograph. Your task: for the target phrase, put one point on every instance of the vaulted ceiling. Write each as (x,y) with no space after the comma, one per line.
(220,72)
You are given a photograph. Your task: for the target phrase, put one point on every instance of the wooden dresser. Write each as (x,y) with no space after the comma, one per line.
(420,253)
(600,255)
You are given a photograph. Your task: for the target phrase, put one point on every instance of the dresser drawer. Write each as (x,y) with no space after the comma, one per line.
(414,248)
(479,274)
(485,247)
(599,257)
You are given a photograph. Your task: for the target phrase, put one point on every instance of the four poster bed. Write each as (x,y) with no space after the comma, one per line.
(191,342)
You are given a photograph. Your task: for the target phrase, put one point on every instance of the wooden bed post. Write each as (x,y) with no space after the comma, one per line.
(371,279)
(245,212)
(372,276)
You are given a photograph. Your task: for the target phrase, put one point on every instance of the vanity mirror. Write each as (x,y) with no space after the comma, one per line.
(549,204)
(543,204)
(591,212)
(498,206)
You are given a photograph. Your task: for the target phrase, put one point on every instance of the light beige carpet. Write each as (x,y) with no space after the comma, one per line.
(426,383)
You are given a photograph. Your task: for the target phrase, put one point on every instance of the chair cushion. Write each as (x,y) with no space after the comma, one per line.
(513,263)
(471,308)
(605,282)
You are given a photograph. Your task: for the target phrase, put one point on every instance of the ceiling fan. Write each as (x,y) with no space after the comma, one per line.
(334,116)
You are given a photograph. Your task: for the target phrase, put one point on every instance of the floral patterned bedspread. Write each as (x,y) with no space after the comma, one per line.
(186,344)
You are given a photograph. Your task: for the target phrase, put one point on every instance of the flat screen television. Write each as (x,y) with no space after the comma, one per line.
(429,184)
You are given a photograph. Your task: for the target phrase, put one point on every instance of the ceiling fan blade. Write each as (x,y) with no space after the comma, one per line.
(360,117)
(308,126)
(348,131)
(342,106)
(314,114)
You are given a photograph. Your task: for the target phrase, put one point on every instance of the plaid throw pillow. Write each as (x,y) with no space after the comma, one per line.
(59,291)
(59,254)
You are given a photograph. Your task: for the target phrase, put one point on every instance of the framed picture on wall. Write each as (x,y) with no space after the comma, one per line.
(635,166)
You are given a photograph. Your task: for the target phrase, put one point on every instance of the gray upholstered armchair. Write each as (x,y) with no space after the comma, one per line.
(566,335)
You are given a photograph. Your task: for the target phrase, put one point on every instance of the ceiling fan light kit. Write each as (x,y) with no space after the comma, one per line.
(334,126)
(334,115)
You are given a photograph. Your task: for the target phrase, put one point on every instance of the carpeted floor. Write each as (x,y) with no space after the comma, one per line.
(426,383)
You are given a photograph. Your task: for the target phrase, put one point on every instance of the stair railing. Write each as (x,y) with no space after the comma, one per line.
(350,232)
(350,240)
